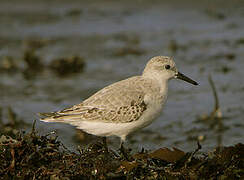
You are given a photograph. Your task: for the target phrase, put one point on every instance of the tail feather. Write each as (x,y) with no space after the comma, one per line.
(55,117)
(49,114)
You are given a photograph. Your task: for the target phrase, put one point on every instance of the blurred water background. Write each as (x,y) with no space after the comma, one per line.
(115,39)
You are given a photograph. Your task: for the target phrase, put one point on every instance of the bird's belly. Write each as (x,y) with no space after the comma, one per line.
(122,129)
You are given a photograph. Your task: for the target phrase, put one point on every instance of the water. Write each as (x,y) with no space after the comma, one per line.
(203,37)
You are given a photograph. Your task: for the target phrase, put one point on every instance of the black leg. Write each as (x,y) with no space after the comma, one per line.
(121,148)
(123,151)
(105,143)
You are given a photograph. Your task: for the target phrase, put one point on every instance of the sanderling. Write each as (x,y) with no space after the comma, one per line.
(125,106)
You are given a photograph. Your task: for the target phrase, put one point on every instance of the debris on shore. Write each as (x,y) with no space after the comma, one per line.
(34,156)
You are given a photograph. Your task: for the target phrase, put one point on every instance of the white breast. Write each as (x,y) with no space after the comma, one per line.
(154,109)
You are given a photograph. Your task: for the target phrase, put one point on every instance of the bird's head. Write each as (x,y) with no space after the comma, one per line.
(163,68)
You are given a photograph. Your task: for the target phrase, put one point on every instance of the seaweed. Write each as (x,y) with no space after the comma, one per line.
(34,156)
(65,66)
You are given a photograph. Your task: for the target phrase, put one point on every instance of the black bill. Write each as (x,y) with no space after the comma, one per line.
(185,78)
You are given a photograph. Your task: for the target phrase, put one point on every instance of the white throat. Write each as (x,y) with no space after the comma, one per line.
(160,80)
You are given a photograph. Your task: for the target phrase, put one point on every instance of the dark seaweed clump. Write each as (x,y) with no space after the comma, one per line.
(64,66)
(32,156)
(34,64)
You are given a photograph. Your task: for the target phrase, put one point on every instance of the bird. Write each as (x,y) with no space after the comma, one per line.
(124,106)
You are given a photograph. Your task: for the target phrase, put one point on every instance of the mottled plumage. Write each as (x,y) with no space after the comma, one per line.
(124,106)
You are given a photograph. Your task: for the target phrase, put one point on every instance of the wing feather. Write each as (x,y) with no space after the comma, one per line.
(117,103)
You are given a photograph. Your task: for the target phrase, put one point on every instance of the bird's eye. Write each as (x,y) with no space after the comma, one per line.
(167,66)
